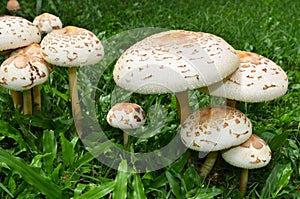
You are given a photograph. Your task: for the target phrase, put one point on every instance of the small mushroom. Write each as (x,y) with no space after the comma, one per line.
(252,154)
(13,6)
(16,32)
(47,22)
(175,61)
(126,116)
(21,72)
(72,47)
(212,129)
(257,79)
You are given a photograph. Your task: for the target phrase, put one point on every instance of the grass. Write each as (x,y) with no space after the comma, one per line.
(45,149)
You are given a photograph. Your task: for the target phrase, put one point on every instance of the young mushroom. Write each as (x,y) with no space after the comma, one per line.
(72,47)
(126,116)
(16,32)
(21,72)
(13,6)
(175,61)
(47,22)
(212,129)
(257,79)
(252,154)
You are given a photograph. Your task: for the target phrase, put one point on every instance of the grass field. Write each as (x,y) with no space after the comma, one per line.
(42,156)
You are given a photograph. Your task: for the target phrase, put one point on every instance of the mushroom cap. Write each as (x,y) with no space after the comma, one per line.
(13,6)
(22,72)
(175,61)
(215,128)
(71,47)
(252,154)
(126,116)
(257,79)
(33,49)
(17,32)
(47,22)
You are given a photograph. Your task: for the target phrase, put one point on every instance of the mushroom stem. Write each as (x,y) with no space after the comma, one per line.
(183,106)
(37,98)
(76,111)
(27,102)
(244,181)
(230,103)
(208,164)
(17,98)
(125,139)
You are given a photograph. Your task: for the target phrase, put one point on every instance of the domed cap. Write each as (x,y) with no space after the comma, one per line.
(71,47)
(47,22)
(175,61)
(17,32)
(22,72)
(254,153)
(33,49)
(257,79)
(126,116)
(13,6)
(215,128)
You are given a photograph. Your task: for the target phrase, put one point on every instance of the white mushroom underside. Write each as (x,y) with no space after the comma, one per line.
(215,128)
(183,60)
(253,82)
(17,32)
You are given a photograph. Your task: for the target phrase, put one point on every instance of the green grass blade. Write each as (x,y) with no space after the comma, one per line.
(175,188)
(138,188)
(28,173)
(98,191)
(120,190)
(6,190)
(49,147)
(67,150)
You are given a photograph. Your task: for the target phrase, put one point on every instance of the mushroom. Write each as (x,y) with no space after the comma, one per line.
(252,154)
(34,49)
(175,61)
(16,32)
(21,72)
(47,22)
(126,116)
(13,6)
(72,47)
(211,129)
(257,79)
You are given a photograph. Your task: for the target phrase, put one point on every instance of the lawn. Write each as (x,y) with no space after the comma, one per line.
(42,156)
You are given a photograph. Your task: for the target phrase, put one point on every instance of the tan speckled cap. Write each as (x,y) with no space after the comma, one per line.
(126,116)
(47,22)
(22,72)
(257,79)
(215,128)
(175,61)
(71,47)
(254,153)
(17,32)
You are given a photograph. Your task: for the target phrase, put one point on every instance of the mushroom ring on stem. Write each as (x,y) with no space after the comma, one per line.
(175,61)
(211,129)
(252,154)
(126,116)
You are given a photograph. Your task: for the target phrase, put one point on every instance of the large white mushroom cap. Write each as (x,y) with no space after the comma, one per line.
(175,61)
(254,153)
(215,128)
(71,47)
(126,116)
(22,72)
(17,32)
(257,79)
(47,22)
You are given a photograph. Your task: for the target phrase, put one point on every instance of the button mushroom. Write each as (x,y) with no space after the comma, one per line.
(252,154)
(13,6)
(21,72)
(126,116)
(257,79)
(173,62)
(72,47)
(212,129)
